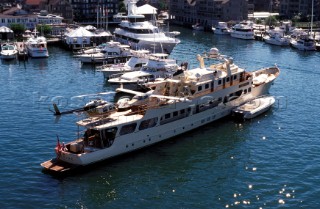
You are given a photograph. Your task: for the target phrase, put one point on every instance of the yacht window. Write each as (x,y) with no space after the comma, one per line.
(228,79)
(199,88)
(166,116)
(182,111)
(127,129)
(175,113)
(206,86)
(234,77)
(245,91)
(249,90)
(149,123)
(219,82)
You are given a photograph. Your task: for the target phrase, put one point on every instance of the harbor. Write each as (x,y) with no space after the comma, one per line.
(269,161)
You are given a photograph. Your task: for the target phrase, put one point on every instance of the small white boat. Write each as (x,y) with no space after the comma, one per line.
(276,37)
(221,29)
(254,107)
(9,51)
(198,27)
(243,30)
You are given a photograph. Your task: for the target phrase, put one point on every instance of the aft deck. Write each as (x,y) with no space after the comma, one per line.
(57,166)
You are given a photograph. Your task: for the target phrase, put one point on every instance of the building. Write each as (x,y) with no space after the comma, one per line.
(61,8)
(29,21)
(94,12)
(207,12)
(291,8)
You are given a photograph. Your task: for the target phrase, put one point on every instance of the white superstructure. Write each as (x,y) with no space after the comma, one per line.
(175,106)
(141,34)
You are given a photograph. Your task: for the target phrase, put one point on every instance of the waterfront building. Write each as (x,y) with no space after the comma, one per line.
(94,11)
(29,21)
(290,8)
(207,12)
(62,8)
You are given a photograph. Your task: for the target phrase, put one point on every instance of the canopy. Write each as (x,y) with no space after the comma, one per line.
(146,9)
(4,29)
(80,32)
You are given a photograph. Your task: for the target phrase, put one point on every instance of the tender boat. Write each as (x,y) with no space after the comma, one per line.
(158,66)
(254,107)
(243,30)
(136,61)
(9,51)
(37,47)
(221,29)
(174,106)
(141,34)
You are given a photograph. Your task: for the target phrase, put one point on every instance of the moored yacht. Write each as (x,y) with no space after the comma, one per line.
(276,37)
(137,60)
(243,30)
(304,43)
(221,29)
(37,47)
(112,52)
(141,34)
(158,66)
(9,51)
(198,97)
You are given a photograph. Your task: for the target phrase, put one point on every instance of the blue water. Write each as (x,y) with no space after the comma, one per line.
(272,161)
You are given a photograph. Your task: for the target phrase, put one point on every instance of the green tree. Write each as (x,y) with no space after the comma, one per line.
(271,20)
(122,7)
(18,29)
(44,29)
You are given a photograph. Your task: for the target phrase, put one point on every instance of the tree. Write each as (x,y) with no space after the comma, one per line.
(122,7)
(271,20)
(44,29)
(18,29)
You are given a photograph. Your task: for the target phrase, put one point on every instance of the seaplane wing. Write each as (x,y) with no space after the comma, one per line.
(171,98)
(130,91)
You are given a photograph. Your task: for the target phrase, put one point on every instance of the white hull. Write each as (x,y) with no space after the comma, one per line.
(246,36)
(37,53)
(10,56)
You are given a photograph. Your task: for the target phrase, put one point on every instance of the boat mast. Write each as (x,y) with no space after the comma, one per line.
(311,17)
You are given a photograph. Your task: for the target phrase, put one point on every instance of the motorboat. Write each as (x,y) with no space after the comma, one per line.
(136,61)
(243,30)
(198,27)
(156,67)
(253,108)
(37,47)
(277,38)
(173,106)
(221,29)
(9,51)
(113,52)
(304,43)
(141,34)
